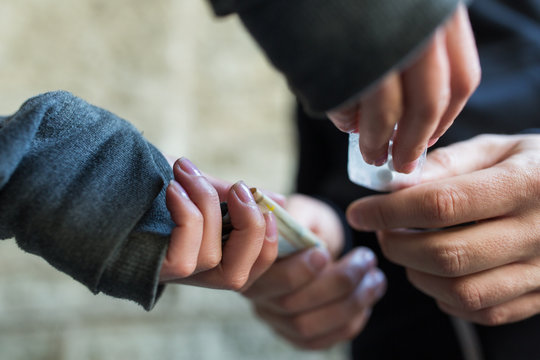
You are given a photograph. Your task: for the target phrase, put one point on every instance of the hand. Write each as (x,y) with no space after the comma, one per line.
(310,300)
(315,303)
(424,98)
(196,255)
(481,200)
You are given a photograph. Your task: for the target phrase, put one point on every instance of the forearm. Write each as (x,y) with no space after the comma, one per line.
(330,51)
(81,188)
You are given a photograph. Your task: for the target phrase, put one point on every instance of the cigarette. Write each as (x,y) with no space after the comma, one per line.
(292,236)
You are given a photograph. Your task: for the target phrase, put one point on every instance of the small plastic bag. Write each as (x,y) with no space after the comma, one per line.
(379,178)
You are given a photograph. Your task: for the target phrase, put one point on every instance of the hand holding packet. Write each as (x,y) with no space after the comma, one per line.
(379,178)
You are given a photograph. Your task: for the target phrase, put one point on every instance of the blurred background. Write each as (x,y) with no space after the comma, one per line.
(196,86)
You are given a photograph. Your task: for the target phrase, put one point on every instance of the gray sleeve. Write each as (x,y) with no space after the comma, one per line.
(83,189)
(330,50)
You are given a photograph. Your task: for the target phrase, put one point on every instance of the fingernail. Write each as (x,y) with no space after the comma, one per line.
(373,279)
(363,258)
(176,187)
(409,167)
(243,193)
(317,259)
(433,141)
(372,286)
(271,234)
(188,167)
(382,160)
(379,283)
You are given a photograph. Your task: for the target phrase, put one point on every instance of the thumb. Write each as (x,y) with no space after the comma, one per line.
(465,157)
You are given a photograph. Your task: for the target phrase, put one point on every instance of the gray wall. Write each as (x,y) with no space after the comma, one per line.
(196,86)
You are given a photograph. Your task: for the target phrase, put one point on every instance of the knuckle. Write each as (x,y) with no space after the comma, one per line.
(184,269)
(236,282)
(444,158)
(442,204)
(451,260)
(210,261)
(468,296)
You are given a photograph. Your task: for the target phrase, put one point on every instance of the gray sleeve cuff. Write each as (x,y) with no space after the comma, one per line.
(83,189)
(133,270)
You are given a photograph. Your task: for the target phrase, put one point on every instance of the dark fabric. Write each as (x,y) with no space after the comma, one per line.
(83,189)
(406,324)
(329,51)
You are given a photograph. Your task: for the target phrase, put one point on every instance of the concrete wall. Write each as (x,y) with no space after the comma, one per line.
(196,86)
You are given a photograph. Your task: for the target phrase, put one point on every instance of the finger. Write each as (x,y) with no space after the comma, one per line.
(464,67)
(246,240)
(464,157)
(336,282)
(289,274)
(461,250)
(205,197)
(181,258)
(426,91)
(515,310)
(480,290)
(382,107)
(347,332)
(327,319)
(346,118)
(268,252)
(477,196)
(222,187)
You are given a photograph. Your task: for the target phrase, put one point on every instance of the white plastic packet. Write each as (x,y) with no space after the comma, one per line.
(379,178)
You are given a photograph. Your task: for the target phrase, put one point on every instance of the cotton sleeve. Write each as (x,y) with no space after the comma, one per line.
(329,51)
(84,190)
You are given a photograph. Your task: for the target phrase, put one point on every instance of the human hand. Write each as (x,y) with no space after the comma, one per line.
(424,98)
(480,201)
(315,303)
(196,255)
(307,298)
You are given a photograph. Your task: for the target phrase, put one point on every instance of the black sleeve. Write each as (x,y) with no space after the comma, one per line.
(83,189)
(329,51)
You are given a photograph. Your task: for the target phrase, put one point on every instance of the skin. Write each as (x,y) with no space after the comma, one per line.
(486,271)
(310,299)
(196,255)
(480,200)
(424,98)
